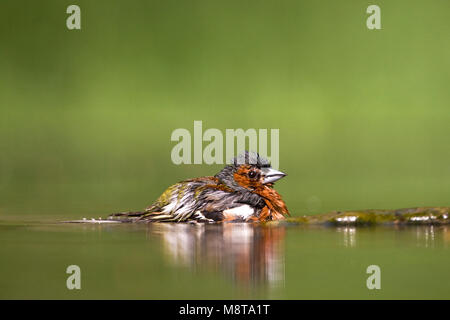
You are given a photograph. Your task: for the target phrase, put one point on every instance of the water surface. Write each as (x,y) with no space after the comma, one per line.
(223,261)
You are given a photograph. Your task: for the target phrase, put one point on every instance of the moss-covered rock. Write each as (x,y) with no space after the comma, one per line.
(408,216)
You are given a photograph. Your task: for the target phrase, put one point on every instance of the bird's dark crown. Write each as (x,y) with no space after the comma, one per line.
(251,158)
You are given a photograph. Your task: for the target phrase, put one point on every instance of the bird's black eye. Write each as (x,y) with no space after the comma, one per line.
(252,174)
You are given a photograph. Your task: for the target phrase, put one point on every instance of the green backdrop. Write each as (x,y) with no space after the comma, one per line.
(86,115)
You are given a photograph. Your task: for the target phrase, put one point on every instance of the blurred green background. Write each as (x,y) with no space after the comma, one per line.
(86,115)
(86,118)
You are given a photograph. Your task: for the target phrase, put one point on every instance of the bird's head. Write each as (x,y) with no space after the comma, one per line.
(249,171)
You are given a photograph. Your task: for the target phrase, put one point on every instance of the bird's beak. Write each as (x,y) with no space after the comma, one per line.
(272,175)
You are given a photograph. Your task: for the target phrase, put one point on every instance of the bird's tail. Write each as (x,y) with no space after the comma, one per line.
(143,216)
(130,216)
(157,216)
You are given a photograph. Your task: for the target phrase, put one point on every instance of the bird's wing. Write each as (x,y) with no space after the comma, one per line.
(181,201)
(203,199)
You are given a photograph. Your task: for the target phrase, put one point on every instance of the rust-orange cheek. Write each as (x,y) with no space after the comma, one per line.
(241,177)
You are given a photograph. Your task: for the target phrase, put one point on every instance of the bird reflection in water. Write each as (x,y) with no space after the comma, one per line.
(247,253)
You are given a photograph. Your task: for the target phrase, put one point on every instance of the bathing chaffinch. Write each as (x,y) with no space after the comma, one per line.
(242,191)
